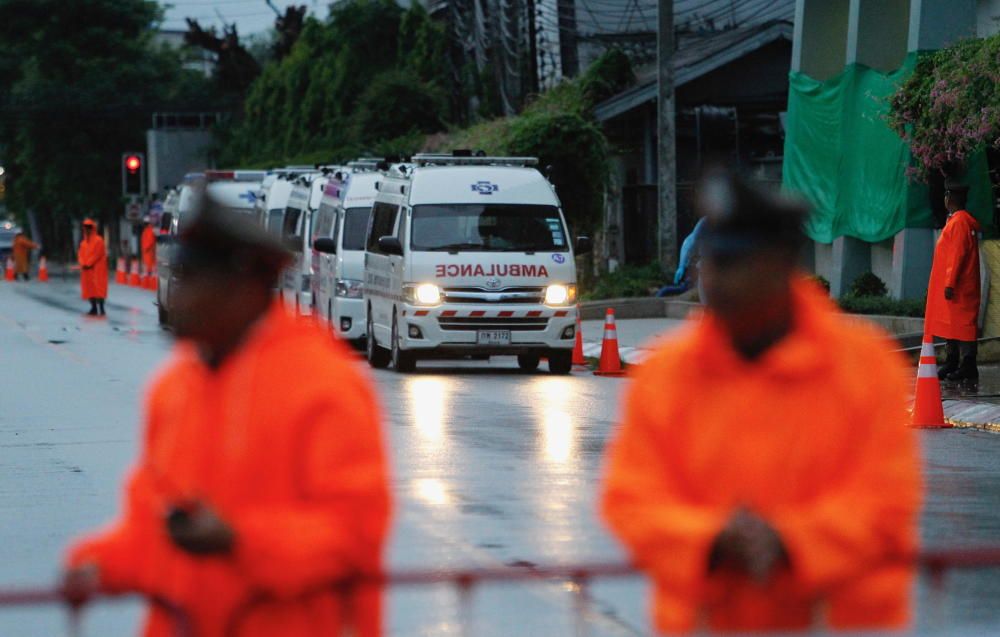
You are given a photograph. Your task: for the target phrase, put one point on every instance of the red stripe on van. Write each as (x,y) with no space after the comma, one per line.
(421,313)
(505,314)
(448,313)
(477,313)
(534,313)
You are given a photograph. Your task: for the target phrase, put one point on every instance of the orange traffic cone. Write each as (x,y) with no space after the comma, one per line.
(8,273)
(579,362)
(133,277)
(611,361)
(43,270)
(928,412)
(120,276)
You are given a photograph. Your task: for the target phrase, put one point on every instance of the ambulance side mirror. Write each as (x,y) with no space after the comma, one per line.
(584,245)
(390,245)
(325,245)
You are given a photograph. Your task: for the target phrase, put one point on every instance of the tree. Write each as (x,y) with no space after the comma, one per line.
(396,104)
(80,79)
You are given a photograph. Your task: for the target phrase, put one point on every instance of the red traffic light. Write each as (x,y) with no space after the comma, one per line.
(133,163)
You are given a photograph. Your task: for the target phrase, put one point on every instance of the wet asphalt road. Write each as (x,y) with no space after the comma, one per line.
(491,468)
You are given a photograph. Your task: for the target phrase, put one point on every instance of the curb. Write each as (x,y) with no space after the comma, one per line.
(966,414)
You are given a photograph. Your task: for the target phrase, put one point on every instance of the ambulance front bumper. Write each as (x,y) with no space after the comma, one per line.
(349,317)
(501,330)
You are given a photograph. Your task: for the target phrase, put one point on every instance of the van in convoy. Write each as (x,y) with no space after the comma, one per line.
(262,210)
(304,199)
(178,204)
(469,256)
(234,190)
(339,232)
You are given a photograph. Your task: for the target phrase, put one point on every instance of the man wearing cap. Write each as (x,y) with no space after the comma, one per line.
(953,294)
(262,485)
(756,476)
(147,242)
(93,259)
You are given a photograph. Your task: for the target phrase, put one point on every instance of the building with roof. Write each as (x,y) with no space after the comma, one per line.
(731,91)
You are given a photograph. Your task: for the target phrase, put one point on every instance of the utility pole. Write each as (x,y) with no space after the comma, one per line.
(667,151)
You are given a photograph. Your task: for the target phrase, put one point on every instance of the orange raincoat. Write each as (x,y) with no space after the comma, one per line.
(956,265)
(811,437)
(22,251)
(148,245)
(284,440)
(93,259)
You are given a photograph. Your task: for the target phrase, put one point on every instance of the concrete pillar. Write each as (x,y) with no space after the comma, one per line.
(841,262)
(881,259)
(819,44)
(912,255)
(877,33)
(935,24)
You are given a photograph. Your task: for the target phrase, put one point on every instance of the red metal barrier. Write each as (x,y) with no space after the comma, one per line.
(934,562)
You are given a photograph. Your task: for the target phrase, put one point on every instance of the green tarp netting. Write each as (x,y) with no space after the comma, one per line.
(841,155)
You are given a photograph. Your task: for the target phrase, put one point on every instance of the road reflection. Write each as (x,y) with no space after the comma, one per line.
(558,433)
(429,398)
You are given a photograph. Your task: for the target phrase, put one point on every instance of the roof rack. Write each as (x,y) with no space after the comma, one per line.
(433,159)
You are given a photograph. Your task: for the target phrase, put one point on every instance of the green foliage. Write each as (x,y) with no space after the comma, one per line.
(608,75)
(821,281)
(396,104)
(950,106)
(868,285)
(628,281)
(79,80)
(369,76)
(882,306)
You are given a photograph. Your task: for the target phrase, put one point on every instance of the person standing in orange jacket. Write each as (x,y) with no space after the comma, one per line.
(93,259)
(147,242)
(953,294)
(22,255)
(763,474)
(262,484)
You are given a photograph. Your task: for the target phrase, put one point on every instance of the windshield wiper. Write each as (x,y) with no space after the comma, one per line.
(455,247)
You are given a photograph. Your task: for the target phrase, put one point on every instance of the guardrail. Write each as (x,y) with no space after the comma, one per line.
(935,563)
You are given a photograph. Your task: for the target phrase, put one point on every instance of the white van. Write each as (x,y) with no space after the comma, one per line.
(339,234)
(261,209)
(296,284)
(469,256)
(235,190)
(178,204)
(275,203)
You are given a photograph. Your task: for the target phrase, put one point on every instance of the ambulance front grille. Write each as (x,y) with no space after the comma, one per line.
(471,323)
(514,295)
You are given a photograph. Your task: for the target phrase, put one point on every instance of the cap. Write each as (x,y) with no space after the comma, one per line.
(741,218)
(89,222)
(219,239)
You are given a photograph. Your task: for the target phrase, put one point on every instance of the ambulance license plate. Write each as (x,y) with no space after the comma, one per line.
(493,337)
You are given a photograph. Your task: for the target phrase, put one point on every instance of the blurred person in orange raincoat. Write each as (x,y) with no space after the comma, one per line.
(262,482)
(147,242)
(763,475)
(93,259)
(22,255)
(953,294)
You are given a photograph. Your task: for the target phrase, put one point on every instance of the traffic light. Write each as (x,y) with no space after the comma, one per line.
(133,174)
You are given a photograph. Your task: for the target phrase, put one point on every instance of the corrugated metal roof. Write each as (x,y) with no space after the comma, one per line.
(695,57)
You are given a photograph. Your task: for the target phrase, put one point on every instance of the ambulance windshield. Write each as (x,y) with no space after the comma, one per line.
(487,228)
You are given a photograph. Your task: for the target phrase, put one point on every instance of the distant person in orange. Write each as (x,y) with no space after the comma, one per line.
(93,259)
(263,477)
(763,475)
(22,255)
(953,294)
(148,245)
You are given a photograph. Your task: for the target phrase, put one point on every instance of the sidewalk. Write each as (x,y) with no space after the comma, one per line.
(635,336)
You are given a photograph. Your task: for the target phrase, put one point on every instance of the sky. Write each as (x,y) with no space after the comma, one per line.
(250,16)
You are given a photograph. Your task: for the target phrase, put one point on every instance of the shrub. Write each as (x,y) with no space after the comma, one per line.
(882,305)
(395,105)
(868,285)
(628,281)
(821,281)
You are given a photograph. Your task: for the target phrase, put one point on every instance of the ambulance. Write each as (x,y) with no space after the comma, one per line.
(303,201)
(178,204)
(469,256)
(234,190)
(339,234)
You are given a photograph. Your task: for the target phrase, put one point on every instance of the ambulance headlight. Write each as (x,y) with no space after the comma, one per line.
(560,294)
(426,294)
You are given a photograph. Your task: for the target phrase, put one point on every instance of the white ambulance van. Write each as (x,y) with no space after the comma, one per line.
(296,233)
(339,234)
(469,256)
(235,190)
(178,204)
(261,209)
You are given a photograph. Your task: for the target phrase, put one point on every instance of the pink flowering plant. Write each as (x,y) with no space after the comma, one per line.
(949,107)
